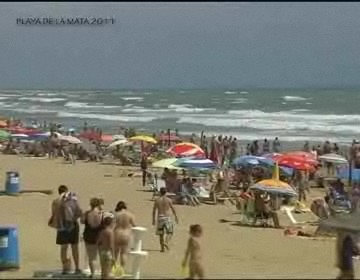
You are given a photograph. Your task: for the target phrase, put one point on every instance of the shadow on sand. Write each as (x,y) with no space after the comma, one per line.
(46,192)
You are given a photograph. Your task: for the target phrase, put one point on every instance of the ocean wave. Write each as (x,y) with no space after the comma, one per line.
(10,95)
(31,110)
(285,115)
(243,92)
(177,108)
(294,98)
(86,105)
(105,117)
(137,98)
(188,108)
(41,99)
(48,94)
(229,92)
(271,137)
(268,124)
(4,97)
(300,110)
(239,101)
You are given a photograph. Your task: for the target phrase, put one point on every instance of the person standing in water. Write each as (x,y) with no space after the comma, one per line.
(124,221)
(165,226)
(193,256)
(276,145)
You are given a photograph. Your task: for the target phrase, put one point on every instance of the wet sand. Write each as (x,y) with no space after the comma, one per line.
(230,250)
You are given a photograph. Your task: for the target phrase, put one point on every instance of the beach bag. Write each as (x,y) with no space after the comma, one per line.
(117,271)
(185,271)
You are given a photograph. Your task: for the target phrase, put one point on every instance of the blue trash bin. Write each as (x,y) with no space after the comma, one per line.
(9,248)
(12,183)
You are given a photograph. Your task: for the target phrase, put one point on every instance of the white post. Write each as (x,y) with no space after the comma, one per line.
(138,257)
(137,253)
(138,233)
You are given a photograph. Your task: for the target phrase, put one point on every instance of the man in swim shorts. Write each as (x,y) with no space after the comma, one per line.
(165,225)
(64,218)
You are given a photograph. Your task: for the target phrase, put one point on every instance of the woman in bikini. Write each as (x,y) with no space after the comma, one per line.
(92,219)
(124,221)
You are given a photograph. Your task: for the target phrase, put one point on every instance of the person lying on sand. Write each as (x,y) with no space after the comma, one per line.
(124,221)
(193,255)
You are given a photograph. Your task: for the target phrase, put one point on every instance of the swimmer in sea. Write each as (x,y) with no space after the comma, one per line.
(193,256)
(124,221)
(106,246)
(165,226)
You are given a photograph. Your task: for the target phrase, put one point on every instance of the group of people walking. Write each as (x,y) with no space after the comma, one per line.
(108,234)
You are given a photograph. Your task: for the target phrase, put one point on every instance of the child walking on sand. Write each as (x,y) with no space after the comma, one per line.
(106,247)
(193,256)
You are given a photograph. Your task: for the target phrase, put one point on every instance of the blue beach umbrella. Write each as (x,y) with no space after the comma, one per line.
(343,173)
(255,160)
(252,160)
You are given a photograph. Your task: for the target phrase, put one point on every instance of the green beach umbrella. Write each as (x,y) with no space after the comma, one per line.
(4,135)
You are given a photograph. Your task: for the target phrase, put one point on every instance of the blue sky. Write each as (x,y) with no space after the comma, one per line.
(183,45)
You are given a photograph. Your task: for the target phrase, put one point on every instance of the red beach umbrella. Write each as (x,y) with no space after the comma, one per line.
(186,150)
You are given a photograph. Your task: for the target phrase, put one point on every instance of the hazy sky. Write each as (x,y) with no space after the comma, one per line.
(183,45)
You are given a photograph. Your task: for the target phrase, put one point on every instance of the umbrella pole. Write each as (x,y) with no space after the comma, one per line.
(350,171)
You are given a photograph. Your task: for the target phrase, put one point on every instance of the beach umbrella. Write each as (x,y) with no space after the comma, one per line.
(19,135)
(343,173)
(274,185)
(118,142)
(196,164)
(70,139)
(296,164)
(271,155)
(4,135)
(186,149)
(107,138)
(346,222)
(166,163)
(295,157)
(252,160)
(334,158)
(301,154)
(143,138)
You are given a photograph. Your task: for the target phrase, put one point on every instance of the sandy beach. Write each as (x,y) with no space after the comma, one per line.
(230,251)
